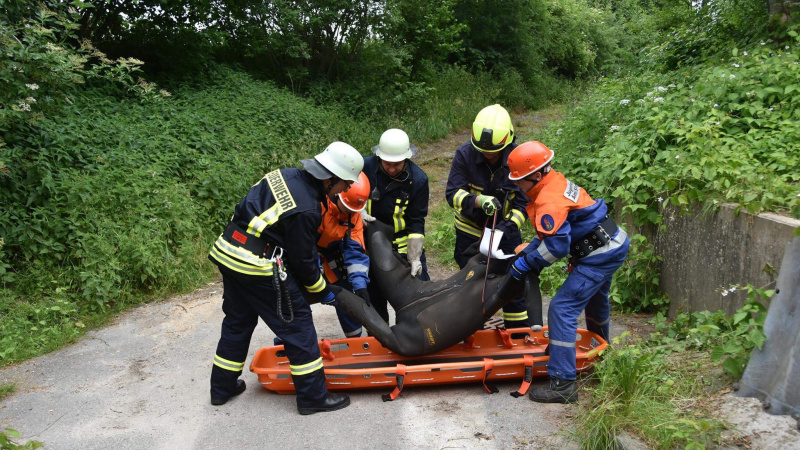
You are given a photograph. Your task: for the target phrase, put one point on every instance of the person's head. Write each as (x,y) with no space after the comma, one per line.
(394,149)
(337,167)
(528,164)
(355,199)
(492,131)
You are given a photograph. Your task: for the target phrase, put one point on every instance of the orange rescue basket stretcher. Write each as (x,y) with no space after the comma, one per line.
(488,355)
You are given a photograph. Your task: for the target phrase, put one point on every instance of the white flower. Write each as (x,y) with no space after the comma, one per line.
(650,93)
(724,292)
(558,132)
(736,65)
(661,89)
(33,86)
(614,127)
(641,100)
(672,86)
(763,43)
(153,220)
(624,101)
(771,109)
(677,156)
(787,47)
(660,199)
(24,106)
(692,100)
(658,99)
(744,53)
(732,76)
(716,104)
(733,288)
(30,100)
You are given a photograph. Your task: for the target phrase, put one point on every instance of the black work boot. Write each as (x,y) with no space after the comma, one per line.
(331,402)
(221,400)
(558,391)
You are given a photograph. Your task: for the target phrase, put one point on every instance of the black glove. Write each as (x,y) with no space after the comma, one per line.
(510,288)
(363,293)
(334,288)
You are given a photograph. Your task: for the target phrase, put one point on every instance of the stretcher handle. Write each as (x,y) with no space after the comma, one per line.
(400,373)
(526,379)
(488,365)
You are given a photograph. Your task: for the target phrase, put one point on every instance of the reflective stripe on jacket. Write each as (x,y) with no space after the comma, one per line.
(283,208)
(401,201)
(470,176)
(560,211)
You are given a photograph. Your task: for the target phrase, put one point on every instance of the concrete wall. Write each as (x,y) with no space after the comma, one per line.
(705,253)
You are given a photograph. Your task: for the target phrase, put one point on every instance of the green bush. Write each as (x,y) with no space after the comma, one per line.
(724,131)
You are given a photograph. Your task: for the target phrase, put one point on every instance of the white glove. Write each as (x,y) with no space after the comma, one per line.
(366,218)
(416,268)
(414,254)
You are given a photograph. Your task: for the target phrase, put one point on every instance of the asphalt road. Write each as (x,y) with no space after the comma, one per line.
(142,383)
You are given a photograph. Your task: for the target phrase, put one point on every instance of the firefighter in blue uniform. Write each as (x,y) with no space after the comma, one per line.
(478,185)
(277,223)
(568,222)
(399,198)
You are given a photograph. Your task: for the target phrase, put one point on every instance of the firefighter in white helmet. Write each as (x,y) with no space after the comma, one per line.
(270,269)
(399,198)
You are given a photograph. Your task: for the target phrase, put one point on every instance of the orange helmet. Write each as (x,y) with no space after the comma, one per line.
(355,198)
(528,158)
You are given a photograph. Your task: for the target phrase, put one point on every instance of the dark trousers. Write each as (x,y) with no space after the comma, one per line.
(515,314)
(380,303)
(245,298)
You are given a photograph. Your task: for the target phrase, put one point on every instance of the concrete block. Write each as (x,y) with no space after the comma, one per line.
(707,252)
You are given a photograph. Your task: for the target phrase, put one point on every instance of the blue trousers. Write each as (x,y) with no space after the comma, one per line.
(586,288)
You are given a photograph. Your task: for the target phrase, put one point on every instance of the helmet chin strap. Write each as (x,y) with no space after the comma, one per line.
(332,182)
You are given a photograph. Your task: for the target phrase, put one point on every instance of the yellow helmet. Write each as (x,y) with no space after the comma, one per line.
(492,130)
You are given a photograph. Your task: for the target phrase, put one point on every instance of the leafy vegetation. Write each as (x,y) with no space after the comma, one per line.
(8,441)
(655,391)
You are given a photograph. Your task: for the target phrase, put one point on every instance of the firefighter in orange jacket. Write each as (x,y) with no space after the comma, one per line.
(341,247)
(568,222)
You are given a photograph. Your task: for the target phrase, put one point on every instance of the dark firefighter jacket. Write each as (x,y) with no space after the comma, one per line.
(401,201)
(284,209)
(470,176)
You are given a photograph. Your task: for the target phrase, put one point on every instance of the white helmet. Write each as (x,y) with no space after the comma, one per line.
(394,146)
(341,160)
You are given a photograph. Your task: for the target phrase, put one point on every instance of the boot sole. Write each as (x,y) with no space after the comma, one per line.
(563,400)
(307,411)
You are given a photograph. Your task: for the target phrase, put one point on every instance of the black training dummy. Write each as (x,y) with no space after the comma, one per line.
(430,316)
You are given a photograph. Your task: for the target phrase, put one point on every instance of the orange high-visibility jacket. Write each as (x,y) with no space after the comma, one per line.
(342,239)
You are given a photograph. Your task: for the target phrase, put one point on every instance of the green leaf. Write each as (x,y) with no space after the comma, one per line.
(717,353)
(796,232)
(732,366)
(740,316)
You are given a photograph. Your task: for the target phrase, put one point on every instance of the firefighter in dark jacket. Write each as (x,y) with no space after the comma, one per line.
(268,259)
(478,185)
(399,198)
